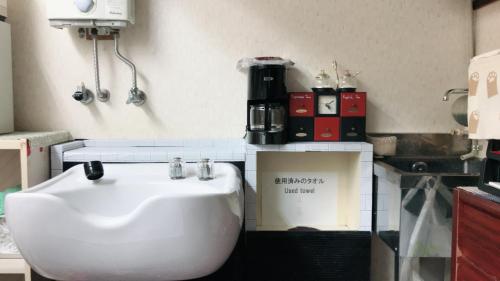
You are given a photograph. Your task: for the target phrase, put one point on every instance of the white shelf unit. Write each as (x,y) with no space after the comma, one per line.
(25,160)
(351,161)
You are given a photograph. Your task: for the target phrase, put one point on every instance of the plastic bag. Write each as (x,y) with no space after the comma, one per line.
(431,235)
(7,244)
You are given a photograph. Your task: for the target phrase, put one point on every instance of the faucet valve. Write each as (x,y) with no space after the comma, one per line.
(475,150)
(136,97)
(83,95)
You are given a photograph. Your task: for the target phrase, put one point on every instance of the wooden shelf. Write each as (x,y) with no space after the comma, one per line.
(13,266)
(10,144)
(10,256)
(24,159)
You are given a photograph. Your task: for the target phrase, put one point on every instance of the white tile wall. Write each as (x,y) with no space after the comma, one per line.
(366,218)
(55,172)
(366,169)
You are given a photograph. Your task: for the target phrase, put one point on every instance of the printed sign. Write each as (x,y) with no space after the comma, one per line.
(298,199)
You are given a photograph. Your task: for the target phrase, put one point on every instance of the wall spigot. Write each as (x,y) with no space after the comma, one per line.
(83,95)
(475,150)
(446,96)
(135,96)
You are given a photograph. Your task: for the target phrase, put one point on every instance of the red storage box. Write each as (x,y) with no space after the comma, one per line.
(353,105)
(302,104)
(327,129)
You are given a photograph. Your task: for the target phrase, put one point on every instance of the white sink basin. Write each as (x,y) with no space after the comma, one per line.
(133,224)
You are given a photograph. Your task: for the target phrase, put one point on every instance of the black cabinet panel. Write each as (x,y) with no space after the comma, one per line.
(308,256)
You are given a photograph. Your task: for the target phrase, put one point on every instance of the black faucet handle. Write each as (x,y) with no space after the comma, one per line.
(83,95)
(79,96)
(93,170)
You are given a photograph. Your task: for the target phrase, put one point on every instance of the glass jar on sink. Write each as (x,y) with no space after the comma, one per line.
(177,169)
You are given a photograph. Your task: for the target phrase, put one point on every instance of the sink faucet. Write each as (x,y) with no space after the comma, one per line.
(476,148)
(446,96)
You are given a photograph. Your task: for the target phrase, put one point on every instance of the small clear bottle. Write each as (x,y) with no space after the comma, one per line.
(177,169)
(323,80)
(205,170)
(349,82)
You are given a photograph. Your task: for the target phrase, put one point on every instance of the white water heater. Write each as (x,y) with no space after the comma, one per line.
(91,13)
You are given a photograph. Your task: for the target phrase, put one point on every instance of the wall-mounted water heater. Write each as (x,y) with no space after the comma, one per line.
(97,20)
(91,13)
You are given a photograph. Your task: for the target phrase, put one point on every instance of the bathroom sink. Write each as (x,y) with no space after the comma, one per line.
(133,224)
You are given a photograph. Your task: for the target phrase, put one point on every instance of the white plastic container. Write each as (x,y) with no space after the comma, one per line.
(7,244)
(484,96)
(384,146)
(6,99)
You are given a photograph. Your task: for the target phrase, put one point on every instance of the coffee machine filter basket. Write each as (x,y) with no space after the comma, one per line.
(245,63)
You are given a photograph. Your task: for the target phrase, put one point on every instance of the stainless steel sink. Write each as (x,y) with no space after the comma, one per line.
(431,166)
(414,210)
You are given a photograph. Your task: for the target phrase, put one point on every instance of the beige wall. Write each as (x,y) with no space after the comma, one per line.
(487,28)
(410,52)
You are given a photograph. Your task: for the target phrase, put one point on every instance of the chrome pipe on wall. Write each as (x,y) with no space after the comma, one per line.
(135,96)
(102,95)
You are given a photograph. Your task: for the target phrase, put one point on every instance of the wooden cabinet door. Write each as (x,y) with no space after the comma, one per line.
(468,272)
(476,238)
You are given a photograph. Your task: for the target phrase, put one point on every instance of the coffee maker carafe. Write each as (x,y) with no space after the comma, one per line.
(267,100)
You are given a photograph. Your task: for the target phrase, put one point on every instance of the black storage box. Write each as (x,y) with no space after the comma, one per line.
(490,174)
(301,128)
(353,129)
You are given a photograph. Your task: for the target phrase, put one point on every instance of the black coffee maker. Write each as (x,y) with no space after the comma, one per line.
(267,104)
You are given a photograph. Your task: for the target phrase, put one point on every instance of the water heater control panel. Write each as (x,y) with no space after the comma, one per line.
(91,13)
(84,6)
